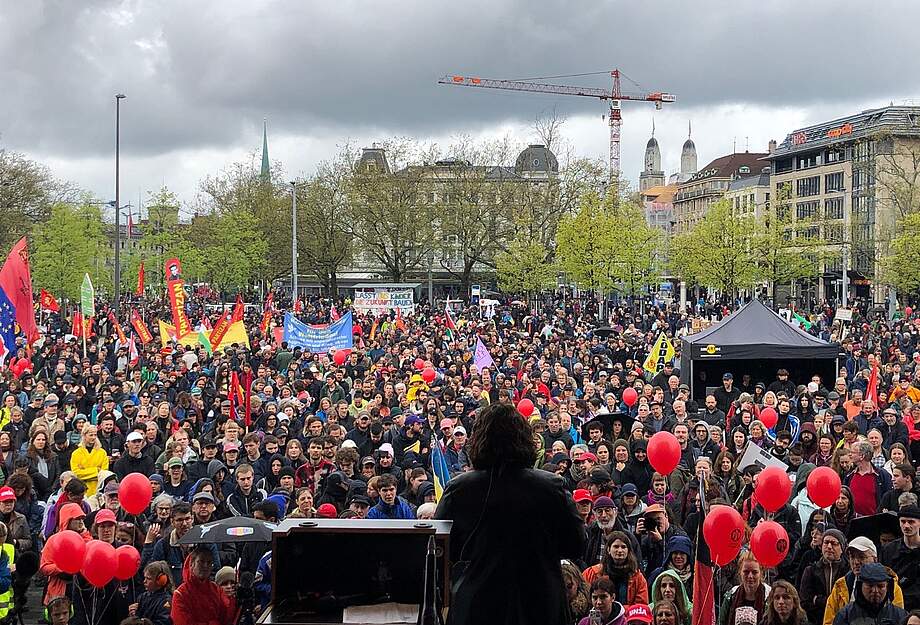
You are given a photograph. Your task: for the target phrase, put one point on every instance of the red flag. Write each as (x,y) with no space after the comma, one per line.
(704,603)
(238,310)
(140,327)
(297,306)
(76,327)
(872,389)
(267,314)
(16,282)
(400,324)
(48,302)
(122,339)
(133,356)
(333,313)
(247,414)
(220,330)
(140,279)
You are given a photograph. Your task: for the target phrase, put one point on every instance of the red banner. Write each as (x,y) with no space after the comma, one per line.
(140,327)
(267,315)
(140,280)
(175,287)
(122,339)
(220,330)
(81,326)
(48,302)
(238,310)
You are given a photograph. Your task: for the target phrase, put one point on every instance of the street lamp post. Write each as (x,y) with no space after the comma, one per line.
(294,241)
(118,98)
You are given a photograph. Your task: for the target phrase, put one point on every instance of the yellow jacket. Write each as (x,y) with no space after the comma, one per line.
(87,464)
(840,595)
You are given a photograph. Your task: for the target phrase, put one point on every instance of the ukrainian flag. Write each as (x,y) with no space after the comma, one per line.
(439,469)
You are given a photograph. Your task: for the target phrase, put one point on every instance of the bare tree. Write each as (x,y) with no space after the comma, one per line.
(548,128)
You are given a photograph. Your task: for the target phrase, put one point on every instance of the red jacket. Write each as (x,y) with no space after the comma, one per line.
(198,602)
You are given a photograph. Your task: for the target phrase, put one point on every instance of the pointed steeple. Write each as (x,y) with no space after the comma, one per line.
(266,167)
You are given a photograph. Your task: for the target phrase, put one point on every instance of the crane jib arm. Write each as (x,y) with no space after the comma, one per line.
(536,87)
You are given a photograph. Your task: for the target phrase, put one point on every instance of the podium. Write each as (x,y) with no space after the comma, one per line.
(321,567)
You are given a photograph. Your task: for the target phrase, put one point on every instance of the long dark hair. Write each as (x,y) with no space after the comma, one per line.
(608,566)
(501,436)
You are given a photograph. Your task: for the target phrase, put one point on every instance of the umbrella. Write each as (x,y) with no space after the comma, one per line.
(238,529)
(873,525)
(604,331)
(606,420)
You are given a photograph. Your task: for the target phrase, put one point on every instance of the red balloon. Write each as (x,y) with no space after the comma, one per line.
(630,396)
(100,563)
(769,543)
(134,493)
(128,562)
(769,417)
(663,452)
(66,549)
(823,486)
(339,356)
(525,407)
(428,374)
(773,488)
(908,311)
(723,530)
(419,364)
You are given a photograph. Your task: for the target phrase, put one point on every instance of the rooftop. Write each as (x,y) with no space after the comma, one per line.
(902,120)
(739,164)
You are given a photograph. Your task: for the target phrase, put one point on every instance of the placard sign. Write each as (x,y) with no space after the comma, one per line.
(381,301)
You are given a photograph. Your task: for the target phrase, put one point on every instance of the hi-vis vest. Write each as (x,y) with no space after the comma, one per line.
(6,599)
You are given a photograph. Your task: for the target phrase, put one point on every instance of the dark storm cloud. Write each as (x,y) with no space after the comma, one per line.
(202,74)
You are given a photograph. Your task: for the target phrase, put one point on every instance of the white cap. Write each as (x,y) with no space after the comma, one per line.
(349,444)
(812,387)
(861,543)
(460,430)
(387,448)
(135,436)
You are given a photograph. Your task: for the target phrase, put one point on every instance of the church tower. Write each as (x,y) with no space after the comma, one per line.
(265,172)
(652,174)
(688,165)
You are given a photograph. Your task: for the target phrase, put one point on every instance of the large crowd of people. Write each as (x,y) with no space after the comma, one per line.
(355,441)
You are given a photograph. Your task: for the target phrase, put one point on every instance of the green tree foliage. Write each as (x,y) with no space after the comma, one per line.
(241,187)
(323,240)
(585,244)
(523,267)
(787,246)
(717,252)
(637,248)
(70,243)
(237,251)
(901,267)
(27,194)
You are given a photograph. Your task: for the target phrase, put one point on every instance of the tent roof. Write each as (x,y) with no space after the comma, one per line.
(755,331)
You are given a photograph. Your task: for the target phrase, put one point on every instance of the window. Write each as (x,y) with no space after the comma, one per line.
(834,233)
(807,161)
(808,186)
(833,208)
(834,155)
(833,182)
(806,210)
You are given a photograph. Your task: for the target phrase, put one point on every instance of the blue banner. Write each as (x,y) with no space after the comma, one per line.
(321,338)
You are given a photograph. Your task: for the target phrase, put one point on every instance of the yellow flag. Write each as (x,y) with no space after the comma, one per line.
(662,352)
(236,334)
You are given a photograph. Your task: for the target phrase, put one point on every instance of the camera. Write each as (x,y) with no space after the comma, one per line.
(650,521)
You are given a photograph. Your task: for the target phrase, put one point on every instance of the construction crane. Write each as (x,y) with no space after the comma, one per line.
(614,96)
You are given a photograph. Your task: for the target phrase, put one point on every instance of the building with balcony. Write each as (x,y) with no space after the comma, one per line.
(709,185)
(846,174)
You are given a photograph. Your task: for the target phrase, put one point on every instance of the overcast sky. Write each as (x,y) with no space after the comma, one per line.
(200,76)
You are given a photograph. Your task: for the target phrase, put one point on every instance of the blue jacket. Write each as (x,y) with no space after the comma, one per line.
(401,509)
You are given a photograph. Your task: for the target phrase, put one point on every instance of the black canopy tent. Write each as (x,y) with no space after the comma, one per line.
(757,341)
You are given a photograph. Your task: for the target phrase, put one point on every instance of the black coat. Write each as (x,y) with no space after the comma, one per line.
(516,540)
